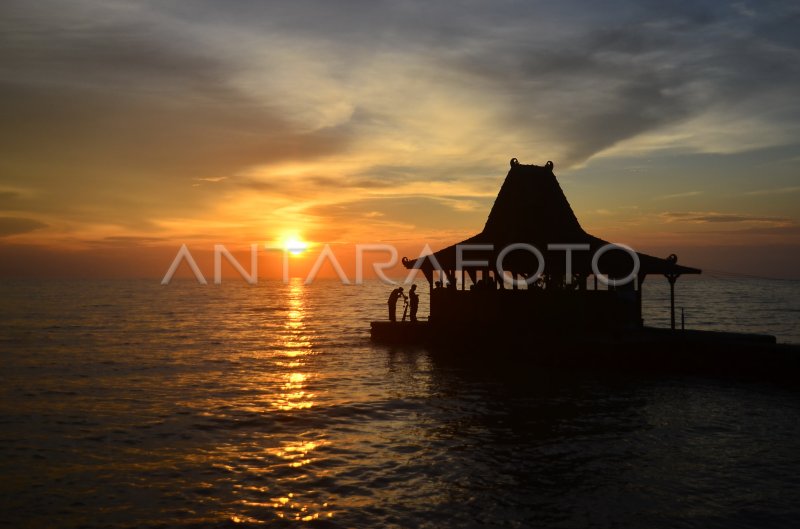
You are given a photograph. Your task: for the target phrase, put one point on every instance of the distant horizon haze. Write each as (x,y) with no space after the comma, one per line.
(154,262)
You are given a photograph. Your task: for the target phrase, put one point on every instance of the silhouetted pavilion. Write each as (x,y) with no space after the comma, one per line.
(531,208)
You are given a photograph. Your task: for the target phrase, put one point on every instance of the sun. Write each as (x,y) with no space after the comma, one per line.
(294,245)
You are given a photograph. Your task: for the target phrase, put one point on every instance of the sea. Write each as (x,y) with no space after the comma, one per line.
(131,404)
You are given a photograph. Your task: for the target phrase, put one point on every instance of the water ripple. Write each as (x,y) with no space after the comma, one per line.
(134,405)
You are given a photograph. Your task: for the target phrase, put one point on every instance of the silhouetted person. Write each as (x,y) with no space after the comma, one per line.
(396,293)
(413,299)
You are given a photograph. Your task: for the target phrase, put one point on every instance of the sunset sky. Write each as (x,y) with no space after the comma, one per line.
(130,128)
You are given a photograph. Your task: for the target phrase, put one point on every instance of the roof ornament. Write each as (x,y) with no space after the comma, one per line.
(672,259)
(549,165)
(514,162)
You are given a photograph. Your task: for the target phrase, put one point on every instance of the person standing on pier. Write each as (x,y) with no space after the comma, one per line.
(396,293)
(413,299)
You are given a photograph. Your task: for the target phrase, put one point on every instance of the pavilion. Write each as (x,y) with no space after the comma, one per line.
(592,286)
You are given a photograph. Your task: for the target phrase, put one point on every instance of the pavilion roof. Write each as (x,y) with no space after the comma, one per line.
(531,208)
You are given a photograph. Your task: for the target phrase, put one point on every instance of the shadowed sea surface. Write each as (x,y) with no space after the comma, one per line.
(129,404)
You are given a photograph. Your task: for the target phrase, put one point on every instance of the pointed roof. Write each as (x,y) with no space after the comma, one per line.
(531,208)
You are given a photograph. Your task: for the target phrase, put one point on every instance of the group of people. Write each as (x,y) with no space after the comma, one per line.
(412,299)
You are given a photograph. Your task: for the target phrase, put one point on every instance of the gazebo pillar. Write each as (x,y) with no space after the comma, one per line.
(640,280)
(672,277)
(473,275)
(451,277)
(428,277)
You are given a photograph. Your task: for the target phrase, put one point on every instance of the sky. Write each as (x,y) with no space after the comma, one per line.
(131,128)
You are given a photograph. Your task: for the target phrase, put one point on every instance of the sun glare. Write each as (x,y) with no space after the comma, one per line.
(294,245)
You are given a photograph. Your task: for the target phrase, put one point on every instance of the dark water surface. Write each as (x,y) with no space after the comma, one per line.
(128,404)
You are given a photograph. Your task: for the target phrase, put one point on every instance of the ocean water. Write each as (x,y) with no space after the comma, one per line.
(768,306)
(130,404)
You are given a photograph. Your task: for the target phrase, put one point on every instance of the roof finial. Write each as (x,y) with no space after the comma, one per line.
(514,162)
(549,165)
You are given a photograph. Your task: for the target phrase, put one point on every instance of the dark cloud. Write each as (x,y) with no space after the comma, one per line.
(787,233)
(466,171)
(377,177)
(118,111)
(325,181)
(590,78)
(597,82)
(18,225)
(376,174)
(720,217)
(101,128)
(8,198)
(735,218)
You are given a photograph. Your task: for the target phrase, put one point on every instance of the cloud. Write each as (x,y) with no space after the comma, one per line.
(679,195)
(398,217)
(156,119)
(213,179)
(8,198)
(785,232)
(597,83)
(584,82)
(715,217)
(18,225)
(773,191)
